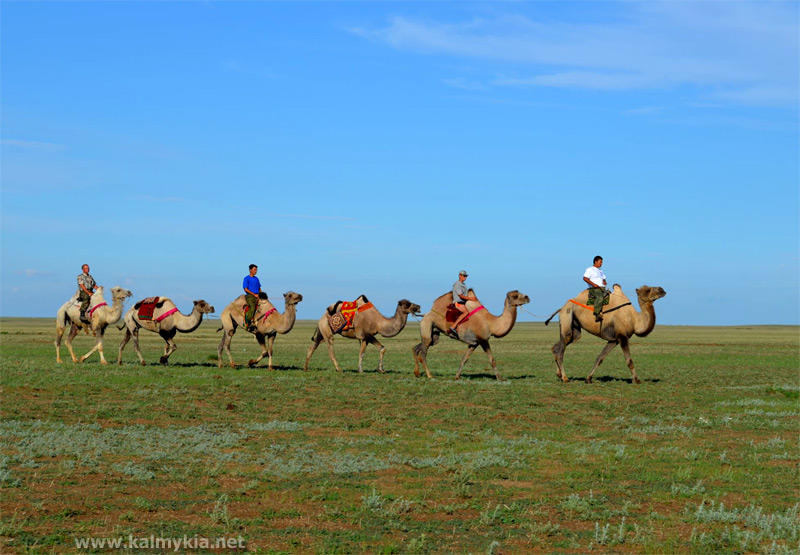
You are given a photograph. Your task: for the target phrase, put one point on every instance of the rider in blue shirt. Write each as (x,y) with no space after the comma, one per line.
(252,288)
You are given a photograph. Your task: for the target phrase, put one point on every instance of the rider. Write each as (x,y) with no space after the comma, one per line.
(596,279)
(252,289)
(460,298)
(86,286)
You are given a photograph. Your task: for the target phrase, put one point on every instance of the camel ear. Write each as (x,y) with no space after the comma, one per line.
(159,304)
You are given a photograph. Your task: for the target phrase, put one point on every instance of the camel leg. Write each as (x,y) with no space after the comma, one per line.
(315,341)
(626,350)
(381,350)
(607,349)
(329,341)
(73,331)
(488,350)
(170,347)
(420,350)
(260,340)
(569,332)
(225,343)
(361,348)
(470,350)
(135,334)
(59,334)
(270,345)
(125,339)
(98,346)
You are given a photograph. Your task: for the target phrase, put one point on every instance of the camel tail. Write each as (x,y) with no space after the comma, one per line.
(551,316)
(122,327)
(219,329)
(316,334)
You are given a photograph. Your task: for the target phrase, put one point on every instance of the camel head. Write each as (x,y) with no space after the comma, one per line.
(291,298)
(649,294)
(203,307)
(407,307)
(515,298)
(119,294)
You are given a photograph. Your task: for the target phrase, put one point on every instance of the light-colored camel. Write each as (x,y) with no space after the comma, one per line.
(474,331)
(619,322)
(99,314)
(167,328)
(366,325)
(269,323)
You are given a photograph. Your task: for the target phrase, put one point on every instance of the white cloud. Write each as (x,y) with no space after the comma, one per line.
(749,49)
(41,145)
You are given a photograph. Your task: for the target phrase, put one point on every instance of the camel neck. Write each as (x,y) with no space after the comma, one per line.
(502,324)
(645,320)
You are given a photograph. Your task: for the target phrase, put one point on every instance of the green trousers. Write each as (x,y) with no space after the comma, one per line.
(598,297)
(252,303)
(84,299)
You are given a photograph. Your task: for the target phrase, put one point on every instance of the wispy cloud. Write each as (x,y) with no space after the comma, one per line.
(748,50)
(645,110)
(41,145)
(30,272)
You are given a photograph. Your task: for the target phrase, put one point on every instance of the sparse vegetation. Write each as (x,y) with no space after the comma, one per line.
(702,456)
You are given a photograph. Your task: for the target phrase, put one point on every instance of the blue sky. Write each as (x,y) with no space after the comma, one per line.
(379,148)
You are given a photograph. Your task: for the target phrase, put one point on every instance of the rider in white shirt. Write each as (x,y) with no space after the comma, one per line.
(596,279)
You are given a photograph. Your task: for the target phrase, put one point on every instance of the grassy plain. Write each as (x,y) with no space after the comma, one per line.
(702,456)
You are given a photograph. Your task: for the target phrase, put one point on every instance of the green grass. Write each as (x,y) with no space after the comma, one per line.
(702,456)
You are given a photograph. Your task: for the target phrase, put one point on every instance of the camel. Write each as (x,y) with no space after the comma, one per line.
(475,330)
(269,323)
(99,314)
(367,323)
(167,322)
(619,322)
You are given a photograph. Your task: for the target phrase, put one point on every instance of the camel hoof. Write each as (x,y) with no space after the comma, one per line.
(416,373)
(564,379)
(163,360)
(637,380)
(143,363)
(251,363)
(589,380)
(104,363)
(232,365)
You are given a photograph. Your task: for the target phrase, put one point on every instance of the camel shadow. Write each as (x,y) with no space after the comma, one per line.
(274,367)
(605,379)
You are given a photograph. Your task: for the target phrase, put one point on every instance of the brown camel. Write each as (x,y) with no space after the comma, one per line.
(99,314)
(474,331)
(367,323)
(269,323)
(619,322)
(170,324)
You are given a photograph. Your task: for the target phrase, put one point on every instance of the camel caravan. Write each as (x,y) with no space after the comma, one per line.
(457,314)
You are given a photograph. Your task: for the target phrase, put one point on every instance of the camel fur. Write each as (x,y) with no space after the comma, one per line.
(616,327)
(166,328)
(266,328)
(70,315)
(474,332)
(366,325)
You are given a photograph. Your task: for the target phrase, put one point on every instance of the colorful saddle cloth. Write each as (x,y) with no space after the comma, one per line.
(453,313)
(342,320)
(146,308)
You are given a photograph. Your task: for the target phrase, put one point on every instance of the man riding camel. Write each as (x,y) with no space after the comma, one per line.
(460,298)
(252,289)
(596,279)
(86,287)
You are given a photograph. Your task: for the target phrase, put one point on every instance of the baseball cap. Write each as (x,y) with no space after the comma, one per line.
(463,273)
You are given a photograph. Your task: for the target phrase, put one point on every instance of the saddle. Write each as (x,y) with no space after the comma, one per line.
(146,307)
(452,314)
(342,319)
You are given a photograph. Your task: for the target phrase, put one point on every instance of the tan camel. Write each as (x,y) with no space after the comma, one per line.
(171,322)
(366,325)
(99,314)
(269,323)
(474,331)
(619,322)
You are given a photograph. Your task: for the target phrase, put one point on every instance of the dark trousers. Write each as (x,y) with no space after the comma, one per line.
(252,303)
(598,297)
(84,299)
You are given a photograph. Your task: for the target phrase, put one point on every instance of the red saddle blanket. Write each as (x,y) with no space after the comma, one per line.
(453,313)
(147,307)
